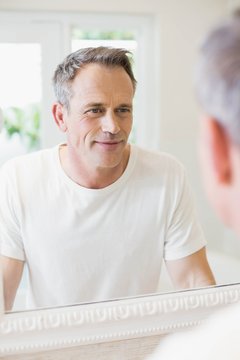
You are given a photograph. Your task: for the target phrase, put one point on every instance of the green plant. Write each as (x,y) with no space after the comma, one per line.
(25,122)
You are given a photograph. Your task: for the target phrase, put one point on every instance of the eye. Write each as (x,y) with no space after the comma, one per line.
(123,110)
(95,110)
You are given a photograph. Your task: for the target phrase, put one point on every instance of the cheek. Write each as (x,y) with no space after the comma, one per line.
(80,128)
(127,126)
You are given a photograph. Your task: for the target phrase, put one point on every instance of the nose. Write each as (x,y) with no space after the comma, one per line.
(110,123)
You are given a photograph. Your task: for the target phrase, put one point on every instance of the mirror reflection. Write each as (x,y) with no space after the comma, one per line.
(75,214)
(96,215)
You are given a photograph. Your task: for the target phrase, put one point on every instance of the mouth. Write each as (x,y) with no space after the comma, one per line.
(109,144)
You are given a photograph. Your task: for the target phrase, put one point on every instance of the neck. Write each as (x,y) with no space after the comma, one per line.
(87,176)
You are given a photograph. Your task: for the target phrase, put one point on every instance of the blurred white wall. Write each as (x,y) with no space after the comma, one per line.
(179,28)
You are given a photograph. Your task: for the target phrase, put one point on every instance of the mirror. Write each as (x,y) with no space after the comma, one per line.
(170,93)
(121,329)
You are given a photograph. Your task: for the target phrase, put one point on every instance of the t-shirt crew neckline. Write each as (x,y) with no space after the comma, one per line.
(123,178)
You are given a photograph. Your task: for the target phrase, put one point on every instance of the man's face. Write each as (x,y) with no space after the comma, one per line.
(99,119)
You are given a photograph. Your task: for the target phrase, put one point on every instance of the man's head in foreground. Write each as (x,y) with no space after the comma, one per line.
(218,91)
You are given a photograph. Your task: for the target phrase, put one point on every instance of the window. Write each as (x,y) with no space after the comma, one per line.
(20,101)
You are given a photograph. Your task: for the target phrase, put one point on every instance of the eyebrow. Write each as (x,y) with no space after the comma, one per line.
(93,104)
(126,105)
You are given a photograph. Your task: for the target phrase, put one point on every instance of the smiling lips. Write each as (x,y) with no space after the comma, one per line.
(109,144)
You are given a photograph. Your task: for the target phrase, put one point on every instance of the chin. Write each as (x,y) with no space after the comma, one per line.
(109,161)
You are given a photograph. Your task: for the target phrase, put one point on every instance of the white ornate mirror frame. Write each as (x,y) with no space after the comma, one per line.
(129,328)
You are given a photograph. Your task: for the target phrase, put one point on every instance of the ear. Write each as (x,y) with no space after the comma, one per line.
(58,114)
(218,143)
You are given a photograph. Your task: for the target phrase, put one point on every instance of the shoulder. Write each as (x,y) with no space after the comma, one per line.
(28,162)
(159,162)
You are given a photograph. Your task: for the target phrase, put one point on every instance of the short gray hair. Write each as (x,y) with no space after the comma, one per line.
(217,77)
(68,69)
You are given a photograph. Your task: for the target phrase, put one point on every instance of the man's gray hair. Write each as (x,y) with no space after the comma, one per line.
(218,76)
(68,69)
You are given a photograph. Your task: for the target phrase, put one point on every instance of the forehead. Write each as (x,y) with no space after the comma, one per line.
(101,78)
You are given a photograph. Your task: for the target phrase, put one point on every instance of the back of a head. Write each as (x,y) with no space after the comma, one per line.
(74,62)
(218,76)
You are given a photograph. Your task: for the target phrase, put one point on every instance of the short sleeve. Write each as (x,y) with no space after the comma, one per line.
(184,233)
(11,244)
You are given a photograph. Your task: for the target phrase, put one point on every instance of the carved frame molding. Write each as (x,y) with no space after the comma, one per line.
(48,329)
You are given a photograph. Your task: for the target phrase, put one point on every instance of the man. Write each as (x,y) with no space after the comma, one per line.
(218,89)
(93,218)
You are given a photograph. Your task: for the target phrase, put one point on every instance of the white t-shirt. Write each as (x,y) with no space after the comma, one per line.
(216,339)
(85,244)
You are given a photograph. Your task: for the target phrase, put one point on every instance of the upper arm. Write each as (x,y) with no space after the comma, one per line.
(184,234)
(191,271)
(12,273)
